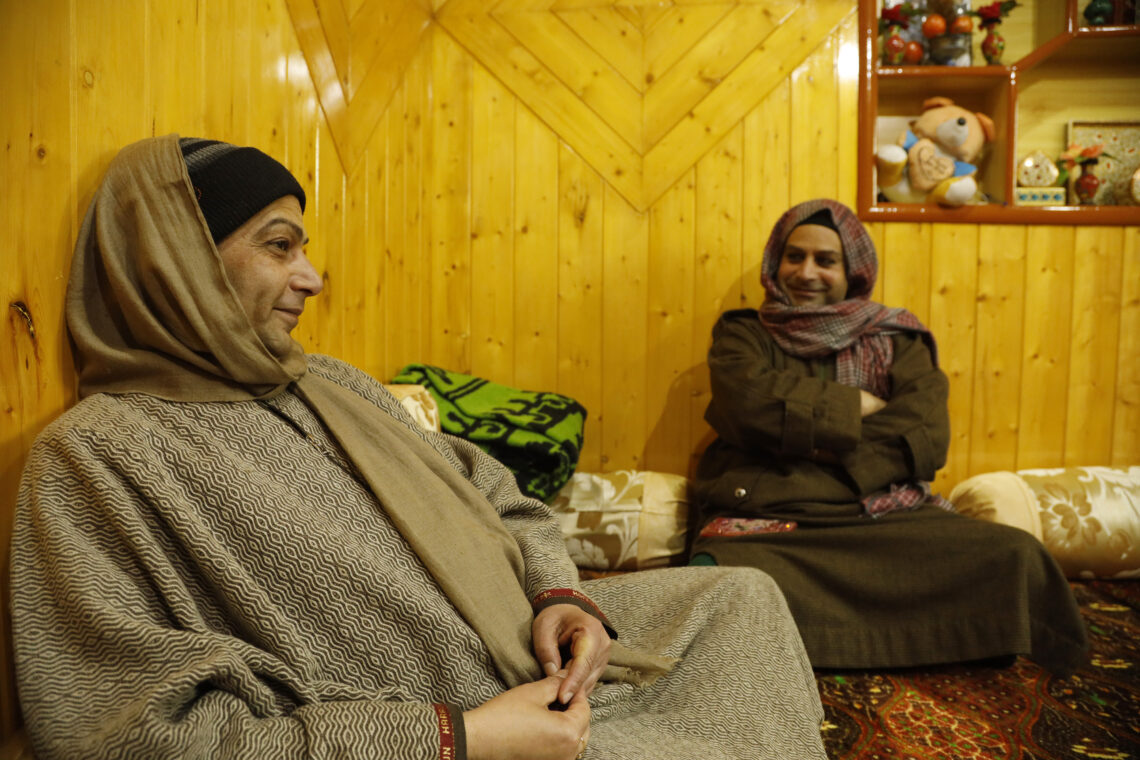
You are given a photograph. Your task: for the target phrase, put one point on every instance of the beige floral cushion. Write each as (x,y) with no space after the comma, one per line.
(1087,517)
(418,402)
(627,520)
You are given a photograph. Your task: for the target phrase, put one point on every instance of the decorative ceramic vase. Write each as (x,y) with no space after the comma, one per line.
(993,45)
(893,47)
(1086,185)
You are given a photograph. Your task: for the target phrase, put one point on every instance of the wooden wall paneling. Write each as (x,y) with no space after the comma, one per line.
(302,157)
(175,67)
(815,126)
(581,200)
(1126,423)
(612,33)
(227,61)
(492,230)
(358,334)
(536,253)
(766,183)
(270,102)
(1097,268)
(877,230)
(714,55)
(37,232)
(109,112)
(623,347)
(372,89)
(411,323)
(1045,360)
(396,286)
(997,362)
(954,282)
(329,225)
(583,70)
(673,31)
(717,272)
(847,86)
(768,64)
(534,84)
(670,363)
(372,174)
(449,173)
(905,267)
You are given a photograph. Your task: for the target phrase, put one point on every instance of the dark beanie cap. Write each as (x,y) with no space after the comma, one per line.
(233,184)
(821,218)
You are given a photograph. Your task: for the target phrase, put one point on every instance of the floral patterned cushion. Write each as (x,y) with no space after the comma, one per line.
(1088,517)
(627,520)
(419,403)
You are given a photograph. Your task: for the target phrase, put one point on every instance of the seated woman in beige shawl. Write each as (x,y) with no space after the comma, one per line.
(230,548)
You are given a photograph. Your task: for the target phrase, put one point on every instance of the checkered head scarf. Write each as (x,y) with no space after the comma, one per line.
(857,330)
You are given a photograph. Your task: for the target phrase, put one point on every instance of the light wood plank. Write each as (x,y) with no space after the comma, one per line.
(675,32)
(1126,421)
(536,259)
(270,99)
(723,108)
(450,188)
(400,313)
(358,259)
(624,303)
(228,38)
(670,362)
(717,270)
(1048,324)
(847,84)
(492,237)
(370,30)
(328,219)
(767,165)
(954,279)
(606,151)
(581,245)
(417,208)
(302,158)
(334,23)
(997,362)
(1097,270)
(815,126)
(372,183)
(877,231)
(906,269)
(703,67)
(333,96)
(176,53)
(581,70)
(615,39)
(37,232)
(371,98)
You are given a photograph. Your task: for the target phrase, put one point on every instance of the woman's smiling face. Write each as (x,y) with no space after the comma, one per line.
(812,270)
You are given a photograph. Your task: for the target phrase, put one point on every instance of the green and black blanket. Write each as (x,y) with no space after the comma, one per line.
(536,434)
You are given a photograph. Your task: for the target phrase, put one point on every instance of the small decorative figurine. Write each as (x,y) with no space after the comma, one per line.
(934,158)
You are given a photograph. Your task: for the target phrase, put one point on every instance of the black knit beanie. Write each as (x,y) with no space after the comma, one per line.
(233,184)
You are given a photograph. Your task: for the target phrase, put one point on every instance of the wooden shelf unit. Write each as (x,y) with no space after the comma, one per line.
(1016,95)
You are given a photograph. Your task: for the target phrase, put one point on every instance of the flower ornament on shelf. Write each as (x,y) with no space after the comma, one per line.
(1086,183)
(989,17)
(891,22)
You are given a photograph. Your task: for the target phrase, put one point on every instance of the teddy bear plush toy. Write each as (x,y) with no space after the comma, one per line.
(934,158)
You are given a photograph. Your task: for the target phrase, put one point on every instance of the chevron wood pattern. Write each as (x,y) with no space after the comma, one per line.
(357,54)
(641,89)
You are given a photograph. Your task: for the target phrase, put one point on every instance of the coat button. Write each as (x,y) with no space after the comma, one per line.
(740,493)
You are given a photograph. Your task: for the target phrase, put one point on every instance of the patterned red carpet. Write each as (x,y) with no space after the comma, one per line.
(1018,712)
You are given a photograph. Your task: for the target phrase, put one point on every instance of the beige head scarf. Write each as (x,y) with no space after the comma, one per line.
(150,310)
